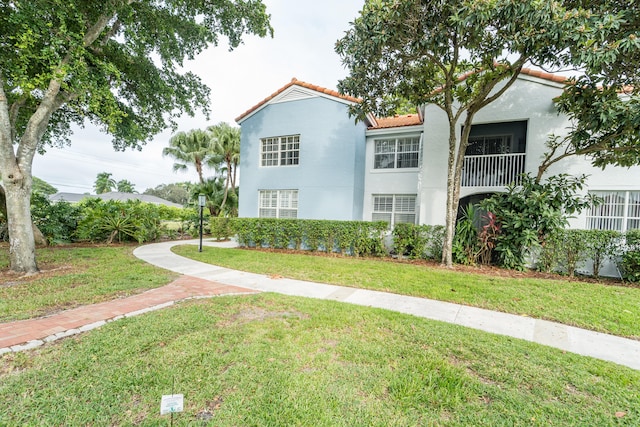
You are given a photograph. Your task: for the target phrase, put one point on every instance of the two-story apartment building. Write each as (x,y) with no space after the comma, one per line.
(303,156)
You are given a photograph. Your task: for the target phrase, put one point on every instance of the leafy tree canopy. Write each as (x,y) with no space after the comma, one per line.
(456,52)
(125,186)
(114,63)
(104,183)
(176,193)
(43,187)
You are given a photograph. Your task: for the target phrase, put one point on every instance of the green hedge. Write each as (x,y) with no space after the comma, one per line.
(418,241)
(344,237)
(567,250)
(630,260)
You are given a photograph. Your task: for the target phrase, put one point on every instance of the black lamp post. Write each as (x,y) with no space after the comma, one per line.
(202,200)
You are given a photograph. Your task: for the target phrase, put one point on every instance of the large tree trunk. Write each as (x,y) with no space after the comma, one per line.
(454,175)
(39,238)
(22,248)
(452,205)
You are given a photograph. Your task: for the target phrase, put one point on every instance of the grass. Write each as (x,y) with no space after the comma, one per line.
(599,307)
(271,360)
(74,276)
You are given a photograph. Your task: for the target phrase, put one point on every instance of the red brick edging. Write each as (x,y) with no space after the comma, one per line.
(26,334)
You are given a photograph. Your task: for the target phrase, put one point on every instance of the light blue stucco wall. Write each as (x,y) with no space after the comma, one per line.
(330,175)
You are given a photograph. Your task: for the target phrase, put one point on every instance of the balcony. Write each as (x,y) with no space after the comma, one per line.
(492,170)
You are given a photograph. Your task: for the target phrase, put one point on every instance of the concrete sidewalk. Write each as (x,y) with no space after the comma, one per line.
(587,343)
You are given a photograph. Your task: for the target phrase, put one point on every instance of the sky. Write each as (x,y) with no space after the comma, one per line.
(305,32)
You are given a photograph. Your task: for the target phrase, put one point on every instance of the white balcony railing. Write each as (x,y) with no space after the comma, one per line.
(493,170)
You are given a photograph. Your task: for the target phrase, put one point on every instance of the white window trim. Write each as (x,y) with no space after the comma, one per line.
(395,153)
(279,151)
(291,206)
(592,216)
(394,209)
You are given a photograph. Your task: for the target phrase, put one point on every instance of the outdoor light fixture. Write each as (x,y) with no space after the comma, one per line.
(202,200)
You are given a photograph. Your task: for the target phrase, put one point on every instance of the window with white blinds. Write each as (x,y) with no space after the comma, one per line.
(619,211)
(394,208)
(278,203)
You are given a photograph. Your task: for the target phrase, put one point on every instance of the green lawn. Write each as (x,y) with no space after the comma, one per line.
(274,360)
(604,308)
(74,276)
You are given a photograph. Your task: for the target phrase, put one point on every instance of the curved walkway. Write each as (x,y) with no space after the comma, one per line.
(202,280)
(587,343)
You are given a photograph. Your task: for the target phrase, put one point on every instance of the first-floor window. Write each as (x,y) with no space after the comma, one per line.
(394,208)
(619,211)
(278,203)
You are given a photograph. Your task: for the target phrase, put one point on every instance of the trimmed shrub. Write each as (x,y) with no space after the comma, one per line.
(418,241)
(220,227)
(346,237)
(629,263)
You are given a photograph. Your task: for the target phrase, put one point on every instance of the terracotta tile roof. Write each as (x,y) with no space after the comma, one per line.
(300,83)
(397,121)
(544,75)
(387,122)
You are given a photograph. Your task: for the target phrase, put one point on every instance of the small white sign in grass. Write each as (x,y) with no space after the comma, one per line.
(171,403)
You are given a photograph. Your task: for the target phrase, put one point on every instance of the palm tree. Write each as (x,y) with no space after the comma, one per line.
(226,145)
(125,186)
(213,188)
(192,148)
(104,183)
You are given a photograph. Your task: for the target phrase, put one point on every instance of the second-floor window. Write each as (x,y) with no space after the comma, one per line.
(396,153)
(280,151)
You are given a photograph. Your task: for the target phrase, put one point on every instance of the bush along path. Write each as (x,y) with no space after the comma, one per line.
(587,343)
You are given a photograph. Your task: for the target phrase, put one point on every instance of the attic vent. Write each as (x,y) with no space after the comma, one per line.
(295,94)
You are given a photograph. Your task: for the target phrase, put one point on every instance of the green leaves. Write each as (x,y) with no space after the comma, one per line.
(101,54)
(346,237)
(531,212)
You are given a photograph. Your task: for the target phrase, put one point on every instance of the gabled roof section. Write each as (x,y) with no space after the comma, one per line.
(398,121)
(297,89)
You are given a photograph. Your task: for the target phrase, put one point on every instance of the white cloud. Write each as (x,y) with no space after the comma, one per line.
(305,33)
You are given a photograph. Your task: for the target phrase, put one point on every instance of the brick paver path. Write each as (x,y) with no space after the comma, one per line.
(23,334)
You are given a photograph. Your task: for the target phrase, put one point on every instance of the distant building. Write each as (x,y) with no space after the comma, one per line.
(113,195)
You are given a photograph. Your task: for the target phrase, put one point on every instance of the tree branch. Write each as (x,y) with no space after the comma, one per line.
(7,156)
(502,90)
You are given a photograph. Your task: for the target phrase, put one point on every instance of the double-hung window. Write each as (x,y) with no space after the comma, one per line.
(280,151)
(396,153)
(619,211)
(278,203)
(394,208)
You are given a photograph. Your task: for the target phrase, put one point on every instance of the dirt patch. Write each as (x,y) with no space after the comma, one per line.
(10,278)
